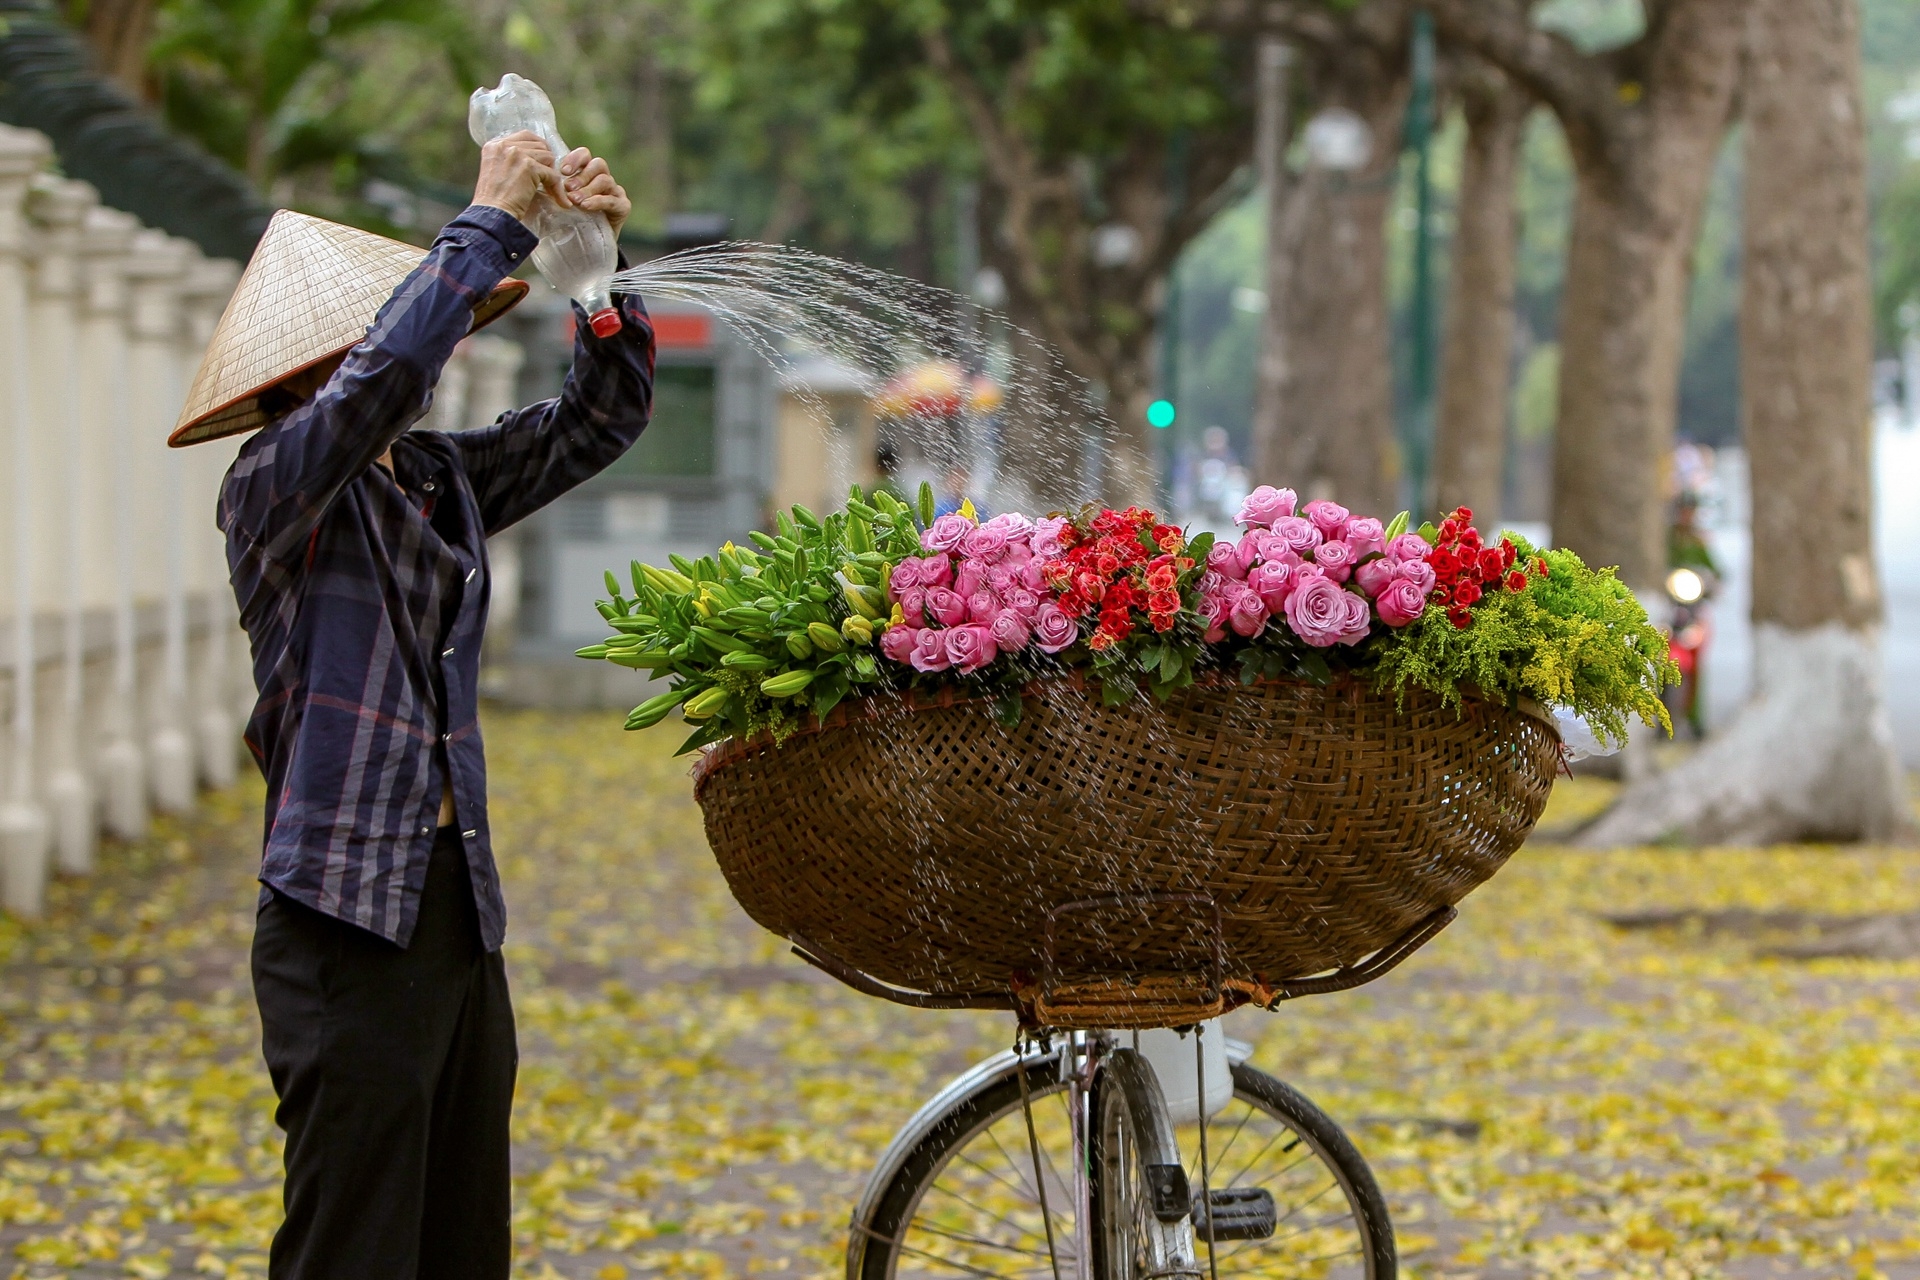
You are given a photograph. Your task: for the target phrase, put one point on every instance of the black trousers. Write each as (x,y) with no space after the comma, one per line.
(394,1070)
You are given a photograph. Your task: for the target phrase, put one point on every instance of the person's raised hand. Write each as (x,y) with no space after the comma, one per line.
(591,187)
(514,170)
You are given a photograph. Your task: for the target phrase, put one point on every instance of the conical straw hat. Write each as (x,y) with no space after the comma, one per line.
(308,296)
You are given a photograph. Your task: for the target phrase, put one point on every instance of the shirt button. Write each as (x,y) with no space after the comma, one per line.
(446,653)
(470,574)
(471,834)
(445,737)
(427,487)
(426,831)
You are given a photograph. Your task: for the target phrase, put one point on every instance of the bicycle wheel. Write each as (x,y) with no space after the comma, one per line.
(956,1196)
(1292,1195)
(1139,1199)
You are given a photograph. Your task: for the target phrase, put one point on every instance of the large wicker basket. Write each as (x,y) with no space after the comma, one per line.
(1141,865)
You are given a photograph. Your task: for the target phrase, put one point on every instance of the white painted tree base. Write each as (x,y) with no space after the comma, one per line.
(23,858)
(219,749)
(1810,757)
(123,786)
(174,771)
(75,833)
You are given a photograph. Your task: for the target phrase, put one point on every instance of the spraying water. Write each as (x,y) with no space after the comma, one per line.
(1043,445)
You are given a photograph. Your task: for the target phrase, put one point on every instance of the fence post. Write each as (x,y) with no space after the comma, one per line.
(23,823)
(56,207)
(209,283)
(153,271)
(106,237)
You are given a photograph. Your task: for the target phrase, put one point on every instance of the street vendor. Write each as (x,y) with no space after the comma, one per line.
(357,549)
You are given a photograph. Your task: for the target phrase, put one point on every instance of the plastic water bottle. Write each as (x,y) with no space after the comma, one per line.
(576,253)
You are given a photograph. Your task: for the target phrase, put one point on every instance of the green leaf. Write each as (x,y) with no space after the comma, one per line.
(1430,532)
(926,504)
(1314,667)
(1397,525)
(1007,710)
(1199,547)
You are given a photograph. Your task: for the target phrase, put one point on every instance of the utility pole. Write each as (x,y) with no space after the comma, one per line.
(1270,156)
(1417,433)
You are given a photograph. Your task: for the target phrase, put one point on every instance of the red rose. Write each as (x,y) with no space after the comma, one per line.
(1164,602)
(1089,585)
(1116,622)
(1101,642)
(1163,622)
(1074,605)
(1106,563)
(1492,564)
(1460,618)
(1516,581)
(1466,593)
(1442,596)
(1543,566)
(1507,553)
(1470,538)
(1161,579)
(1444,562)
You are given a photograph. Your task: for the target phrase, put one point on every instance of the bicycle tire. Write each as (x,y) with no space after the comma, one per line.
(1130,1140)
(880,1223)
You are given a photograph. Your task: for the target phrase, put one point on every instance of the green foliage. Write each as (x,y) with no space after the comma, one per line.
(754,640)
(1576,639)
(260,83)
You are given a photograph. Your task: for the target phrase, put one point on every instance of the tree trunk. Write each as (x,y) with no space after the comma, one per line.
(1637,207)
(1337,431)
(1470,438)
(1811,756)
(120,31)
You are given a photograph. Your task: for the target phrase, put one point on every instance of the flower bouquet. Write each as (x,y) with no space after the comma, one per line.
(885,597)
(1103,772)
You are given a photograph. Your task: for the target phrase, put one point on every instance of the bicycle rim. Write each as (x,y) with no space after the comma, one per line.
(962,1202)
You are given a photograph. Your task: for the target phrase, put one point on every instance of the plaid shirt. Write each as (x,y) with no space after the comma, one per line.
(365,595)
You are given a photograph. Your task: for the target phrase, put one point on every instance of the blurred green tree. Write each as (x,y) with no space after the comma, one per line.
(1103,142)
(264,84)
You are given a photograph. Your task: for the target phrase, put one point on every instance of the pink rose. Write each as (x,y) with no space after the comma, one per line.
(1264,506)
(1010,631)
(905,577)
(985,543)
(913,606)
(1409,546)
(1419,573)
(1002,578)
(1247,553)
(1018,553)
(946,533)
(1033,575)
(1297,534)
(949,608)
(1016,526)
(934,571)
(1323,613)
(969,578)
(1272,582)
(1046,535)
(1401,602)
(1366,535)
(982,607)
(930,651)
(1224,560)
(1335,559)
(1053,630)
(1375,574)
(1248,616)
(1328,517)
(970,648)
(1021,601)
(896,644)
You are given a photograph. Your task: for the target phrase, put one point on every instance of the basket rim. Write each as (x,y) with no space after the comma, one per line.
(909,701)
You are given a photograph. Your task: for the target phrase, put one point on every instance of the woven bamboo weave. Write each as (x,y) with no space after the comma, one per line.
(1236,837)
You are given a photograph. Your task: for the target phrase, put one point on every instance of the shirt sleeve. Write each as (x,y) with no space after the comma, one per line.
(288,474)
(531,456)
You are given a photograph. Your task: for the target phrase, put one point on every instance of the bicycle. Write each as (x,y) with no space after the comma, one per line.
(1062,1159)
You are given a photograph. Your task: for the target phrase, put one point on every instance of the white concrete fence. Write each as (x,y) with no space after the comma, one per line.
(123,673)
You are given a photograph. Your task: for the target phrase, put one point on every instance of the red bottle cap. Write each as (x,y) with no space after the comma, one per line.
(605,323)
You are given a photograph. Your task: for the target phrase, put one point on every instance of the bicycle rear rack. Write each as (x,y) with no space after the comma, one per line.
(1232,992)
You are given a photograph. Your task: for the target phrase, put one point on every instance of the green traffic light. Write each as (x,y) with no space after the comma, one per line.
(1160,414)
